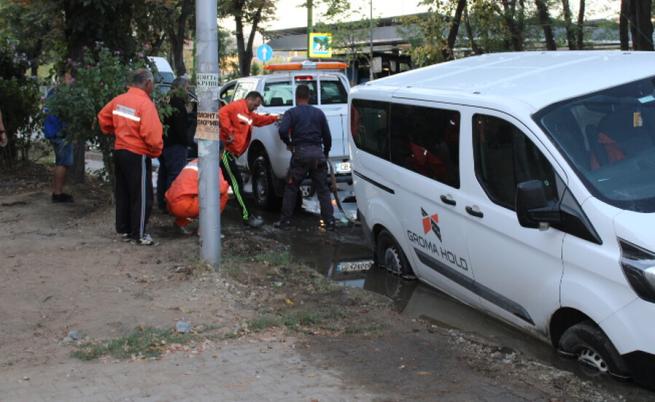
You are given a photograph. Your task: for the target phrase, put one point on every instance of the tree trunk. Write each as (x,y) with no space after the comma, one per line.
(570,35)
(580,28)
(244,61)
(544,20)
(76,172)
(624,25)
(179,36)
(448,52)
(509,14)
(642,32)
(469,32)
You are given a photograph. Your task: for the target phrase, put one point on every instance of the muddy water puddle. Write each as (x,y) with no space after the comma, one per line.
(327,253)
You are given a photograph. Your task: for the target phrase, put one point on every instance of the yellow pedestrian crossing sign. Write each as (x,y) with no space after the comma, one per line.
(320,45)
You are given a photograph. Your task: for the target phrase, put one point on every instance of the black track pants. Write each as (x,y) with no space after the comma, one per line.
(133,192)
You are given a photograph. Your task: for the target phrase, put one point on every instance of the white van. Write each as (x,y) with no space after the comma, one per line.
(522,184)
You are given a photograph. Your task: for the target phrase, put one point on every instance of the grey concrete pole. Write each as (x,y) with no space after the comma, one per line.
(207,80)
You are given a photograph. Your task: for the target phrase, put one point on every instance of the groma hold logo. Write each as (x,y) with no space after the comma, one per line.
(431,223)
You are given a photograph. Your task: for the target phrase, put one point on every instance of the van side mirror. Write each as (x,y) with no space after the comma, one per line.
(533,208)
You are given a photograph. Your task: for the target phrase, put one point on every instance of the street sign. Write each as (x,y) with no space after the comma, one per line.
(320,45)
(264,53)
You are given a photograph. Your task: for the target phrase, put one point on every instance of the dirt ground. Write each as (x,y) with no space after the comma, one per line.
(64,269)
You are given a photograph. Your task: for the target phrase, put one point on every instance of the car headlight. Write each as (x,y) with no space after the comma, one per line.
(342,167)
(639,268)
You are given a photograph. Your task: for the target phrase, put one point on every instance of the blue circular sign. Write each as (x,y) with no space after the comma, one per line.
(264,53)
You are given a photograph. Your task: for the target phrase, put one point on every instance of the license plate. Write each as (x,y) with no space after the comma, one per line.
(354,266)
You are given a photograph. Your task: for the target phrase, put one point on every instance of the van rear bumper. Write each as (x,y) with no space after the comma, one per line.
(642,368)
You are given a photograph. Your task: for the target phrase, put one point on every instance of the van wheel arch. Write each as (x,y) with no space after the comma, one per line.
(563,319)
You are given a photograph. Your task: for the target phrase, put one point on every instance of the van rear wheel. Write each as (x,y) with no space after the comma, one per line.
(390,256)
(587,343)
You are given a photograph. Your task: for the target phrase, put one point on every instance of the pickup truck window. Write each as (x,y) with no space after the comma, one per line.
(278,94)
(333,92)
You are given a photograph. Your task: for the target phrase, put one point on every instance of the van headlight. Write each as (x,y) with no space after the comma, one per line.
(342,167)
(639,268)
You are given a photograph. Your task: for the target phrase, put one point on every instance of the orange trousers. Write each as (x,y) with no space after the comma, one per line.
(187,208)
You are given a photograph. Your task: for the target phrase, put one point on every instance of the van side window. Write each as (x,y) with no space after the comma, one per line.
(369,125)
(426,141)
(505,157)
(278,94)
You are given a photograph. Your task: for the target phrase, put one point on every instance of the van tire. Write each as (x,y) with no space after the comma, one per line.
(588,343)
(263,190)
(390,256)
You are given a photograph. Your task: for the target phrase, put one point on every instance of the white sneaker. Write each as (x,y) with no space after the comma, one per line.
(146,240)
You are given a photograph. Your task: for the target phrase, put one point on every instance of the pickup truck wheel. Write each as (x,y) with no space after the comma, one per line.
(587,343)
(262,185)
(390,256)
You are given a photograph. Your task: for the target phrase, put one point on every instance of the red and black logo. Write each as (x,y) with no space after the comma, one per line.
(431,223)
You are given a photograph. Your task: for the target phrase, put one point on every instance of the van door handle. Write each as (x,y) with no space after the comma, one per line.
(448,199)
(475,211)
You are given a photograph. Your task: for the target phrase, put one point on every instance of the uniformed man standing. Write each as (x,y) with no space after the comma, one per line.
(133,119)
(305,130)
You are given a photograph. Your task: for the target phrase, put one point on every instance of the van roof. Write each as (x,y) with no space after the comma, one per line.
(536,79)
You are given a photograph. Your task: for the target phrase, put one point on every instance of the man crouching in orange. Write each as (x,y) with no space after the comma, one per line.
(182,196)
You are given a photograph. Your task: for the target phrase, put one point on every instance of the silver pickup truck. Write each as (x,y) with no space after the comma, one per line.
(265,164)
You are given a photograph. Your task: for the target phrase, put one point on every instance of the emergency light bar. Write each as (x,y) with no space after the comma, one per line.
(307,65)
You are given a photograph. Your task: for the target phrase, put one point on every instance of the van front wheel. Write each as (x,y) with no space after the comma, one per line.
(587,343)
(390,256)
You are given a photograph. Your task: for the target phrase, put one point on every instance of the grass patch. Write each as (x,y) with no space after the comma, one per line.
(140,343)
(263,322)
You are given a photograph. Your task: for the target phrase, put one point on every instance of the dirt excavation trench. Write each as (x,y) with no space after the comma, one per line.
(87,317)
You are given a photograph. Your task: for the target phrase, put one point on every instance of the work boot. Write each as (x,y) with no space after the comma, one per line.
(328,225)
(283,224)
(63,197)
(254,221)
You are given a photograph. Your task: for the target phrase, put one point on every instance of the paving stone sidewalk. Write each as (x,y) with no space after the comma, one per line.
(262,371)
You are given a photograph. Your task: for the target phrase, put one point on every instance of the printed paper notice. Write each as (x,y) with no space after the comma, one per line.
(207,80)
(207,127)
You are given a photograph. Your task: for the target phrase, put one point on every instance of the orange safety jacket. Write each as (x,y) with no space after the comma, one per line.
(185,186)
(236,121)
(133,119)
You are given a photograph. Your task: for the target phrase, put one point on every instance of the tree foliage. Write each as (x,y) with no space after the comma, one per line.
(249,15)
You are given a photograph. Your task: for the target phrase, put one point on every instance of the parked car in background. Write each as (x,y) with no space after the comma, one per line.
(266,162)
(165,75)
(522,184)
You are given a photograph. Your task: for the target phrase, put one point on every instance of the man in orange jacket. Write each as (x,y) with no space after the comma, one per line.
(133,119)
(182,196)
(236,120)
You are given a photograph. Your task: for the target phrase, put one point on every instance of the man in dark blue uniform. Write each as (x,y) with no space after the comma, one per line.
(305,130)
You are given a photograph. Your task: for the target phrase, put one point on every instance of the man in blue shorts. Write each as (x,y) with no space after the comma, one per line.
(63,147)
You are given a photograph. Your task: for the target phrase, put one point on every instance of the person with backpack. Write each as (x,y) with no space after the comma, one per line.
(63,148)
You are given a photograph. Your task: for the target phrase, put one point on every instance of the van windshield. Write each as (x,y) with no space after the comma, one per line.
(608,137)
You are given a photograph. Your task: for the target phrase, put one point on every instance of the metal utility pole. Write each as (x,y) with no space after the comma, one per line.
(207,79)
(310,24)
(370,38)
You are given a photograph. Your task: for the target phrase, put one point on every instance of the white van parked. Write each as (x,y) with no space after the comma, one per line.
(522,184)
